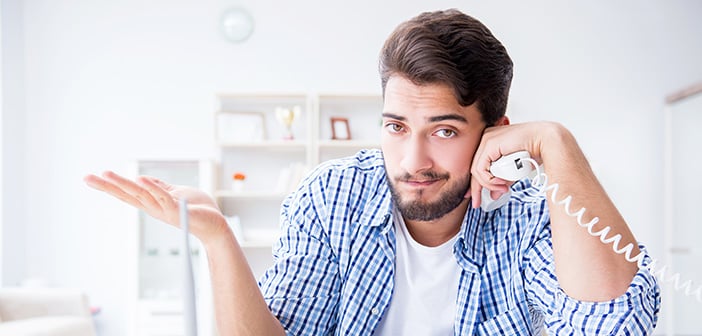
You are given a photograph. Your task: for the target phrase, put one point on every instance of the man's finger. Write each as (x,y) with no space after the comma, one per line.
(156,189)
(134,190)
(110,188)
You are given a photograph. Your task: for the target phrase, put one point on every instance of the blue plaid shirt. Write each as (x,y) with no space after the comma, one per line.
(334,263)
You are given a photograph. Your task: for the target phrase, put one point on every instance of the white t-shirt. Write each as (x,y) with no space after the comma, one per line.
(426,288)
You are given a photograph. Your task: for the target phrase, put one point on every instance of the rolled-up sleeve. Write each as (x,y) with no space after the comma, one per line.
(633,313)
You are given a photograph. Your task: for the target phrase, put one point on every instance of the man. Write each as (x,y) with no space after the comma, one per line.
(394,242)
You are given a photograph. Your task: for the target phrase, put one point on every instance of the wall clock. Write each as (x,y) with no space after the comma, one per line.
(237,24)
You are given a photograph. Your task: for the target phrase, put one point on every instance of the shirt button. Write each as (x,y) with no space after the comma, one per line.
(375,311)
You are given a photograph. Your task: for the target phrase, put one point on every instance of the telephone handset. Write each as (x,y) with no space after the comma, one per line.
(512,167)
(518,165)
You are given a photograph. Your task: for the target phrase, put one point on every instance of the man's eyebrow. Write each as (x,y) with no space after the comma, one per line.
(394,116)
(451,116)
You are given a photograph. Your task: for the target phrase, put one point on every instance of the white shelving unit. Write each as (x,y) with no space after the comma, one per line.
(273,165)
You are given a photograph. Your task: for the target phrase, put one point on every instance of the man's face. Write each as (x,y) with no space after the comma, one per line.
(428,142)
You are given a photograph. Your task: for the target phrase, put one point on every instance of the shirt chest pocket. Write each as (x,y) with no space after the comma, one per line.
(511,322)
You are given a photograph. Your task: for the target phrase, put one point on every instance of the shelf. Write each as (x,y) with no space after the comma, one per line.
(168,305)
(258,98)
(257,238)
(256,244)
(685,251)
(348,144)
(250,195)
(270,145)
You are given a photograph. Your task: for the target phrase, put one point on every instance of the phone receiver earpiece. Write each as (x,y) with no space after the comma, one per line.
(510,167)
(488,204)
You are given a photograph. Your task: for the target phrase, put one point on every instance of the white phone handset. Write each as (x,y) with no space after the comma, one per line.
(510,167)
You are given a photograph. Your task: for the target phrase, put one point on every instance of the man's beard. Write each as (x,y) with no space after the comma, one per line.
(427,211)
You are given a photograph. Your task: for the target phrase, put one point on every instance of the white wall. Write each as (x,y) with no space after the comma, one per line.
(13,245)
(2,253)
(110,82)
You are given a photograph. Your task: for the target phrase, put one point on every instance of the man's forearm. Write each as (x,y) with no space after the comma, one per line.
(239,306)
(586,268)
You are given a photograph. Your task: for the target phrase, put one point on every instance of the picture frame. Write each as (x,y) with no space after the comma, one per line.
(240,127)
(340,128)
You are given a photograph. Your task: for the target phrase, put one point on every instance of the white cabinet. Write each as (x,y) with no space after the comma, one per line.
(157,253)
(682,197)
(273,163)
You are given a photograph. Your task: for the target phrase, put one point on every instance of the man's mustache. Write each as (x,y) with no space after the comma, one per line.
(426,175)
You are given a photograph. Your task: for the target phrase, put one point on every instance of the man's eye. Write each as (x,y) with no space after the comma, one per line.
(446,133)
(393,128)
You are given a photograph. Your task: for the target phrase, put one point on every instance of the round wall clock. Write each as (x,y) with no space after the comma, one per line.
(237,24)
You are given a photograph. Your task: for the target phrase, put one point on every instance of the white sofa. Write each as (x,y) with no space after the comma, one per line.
(44,312)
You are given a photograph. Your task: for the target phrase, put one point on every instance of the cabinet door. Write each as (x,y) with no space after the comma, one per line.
(686,254)
(160,281)
(160,248)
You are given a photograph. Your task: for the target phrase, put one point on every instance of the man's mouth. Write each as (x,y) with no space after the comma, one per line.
(420,182)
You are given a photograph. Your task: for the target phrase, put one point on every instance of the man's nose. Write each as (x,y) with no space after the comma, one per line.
(416,156)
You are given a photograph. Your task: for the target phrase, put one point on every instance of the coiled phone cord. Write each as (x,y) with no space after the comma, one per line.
(663,273)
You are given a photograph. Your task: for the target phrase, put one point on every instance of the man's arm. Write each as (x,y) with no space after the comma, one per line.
(239,306)
(576,252)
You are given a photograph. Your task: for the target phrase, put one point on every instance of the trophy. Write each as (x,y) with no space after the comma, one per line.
(287,116)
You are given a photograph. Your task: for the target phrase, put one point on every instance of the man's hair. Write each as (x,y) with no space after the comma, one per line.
(452,48)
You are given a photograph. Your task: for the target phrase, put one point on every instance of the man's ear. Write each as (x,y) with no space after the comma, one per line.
(504,121)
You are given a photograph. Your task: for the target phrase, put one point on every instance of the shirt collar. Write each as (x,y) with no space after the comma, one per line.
(379,208)
(469,248)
